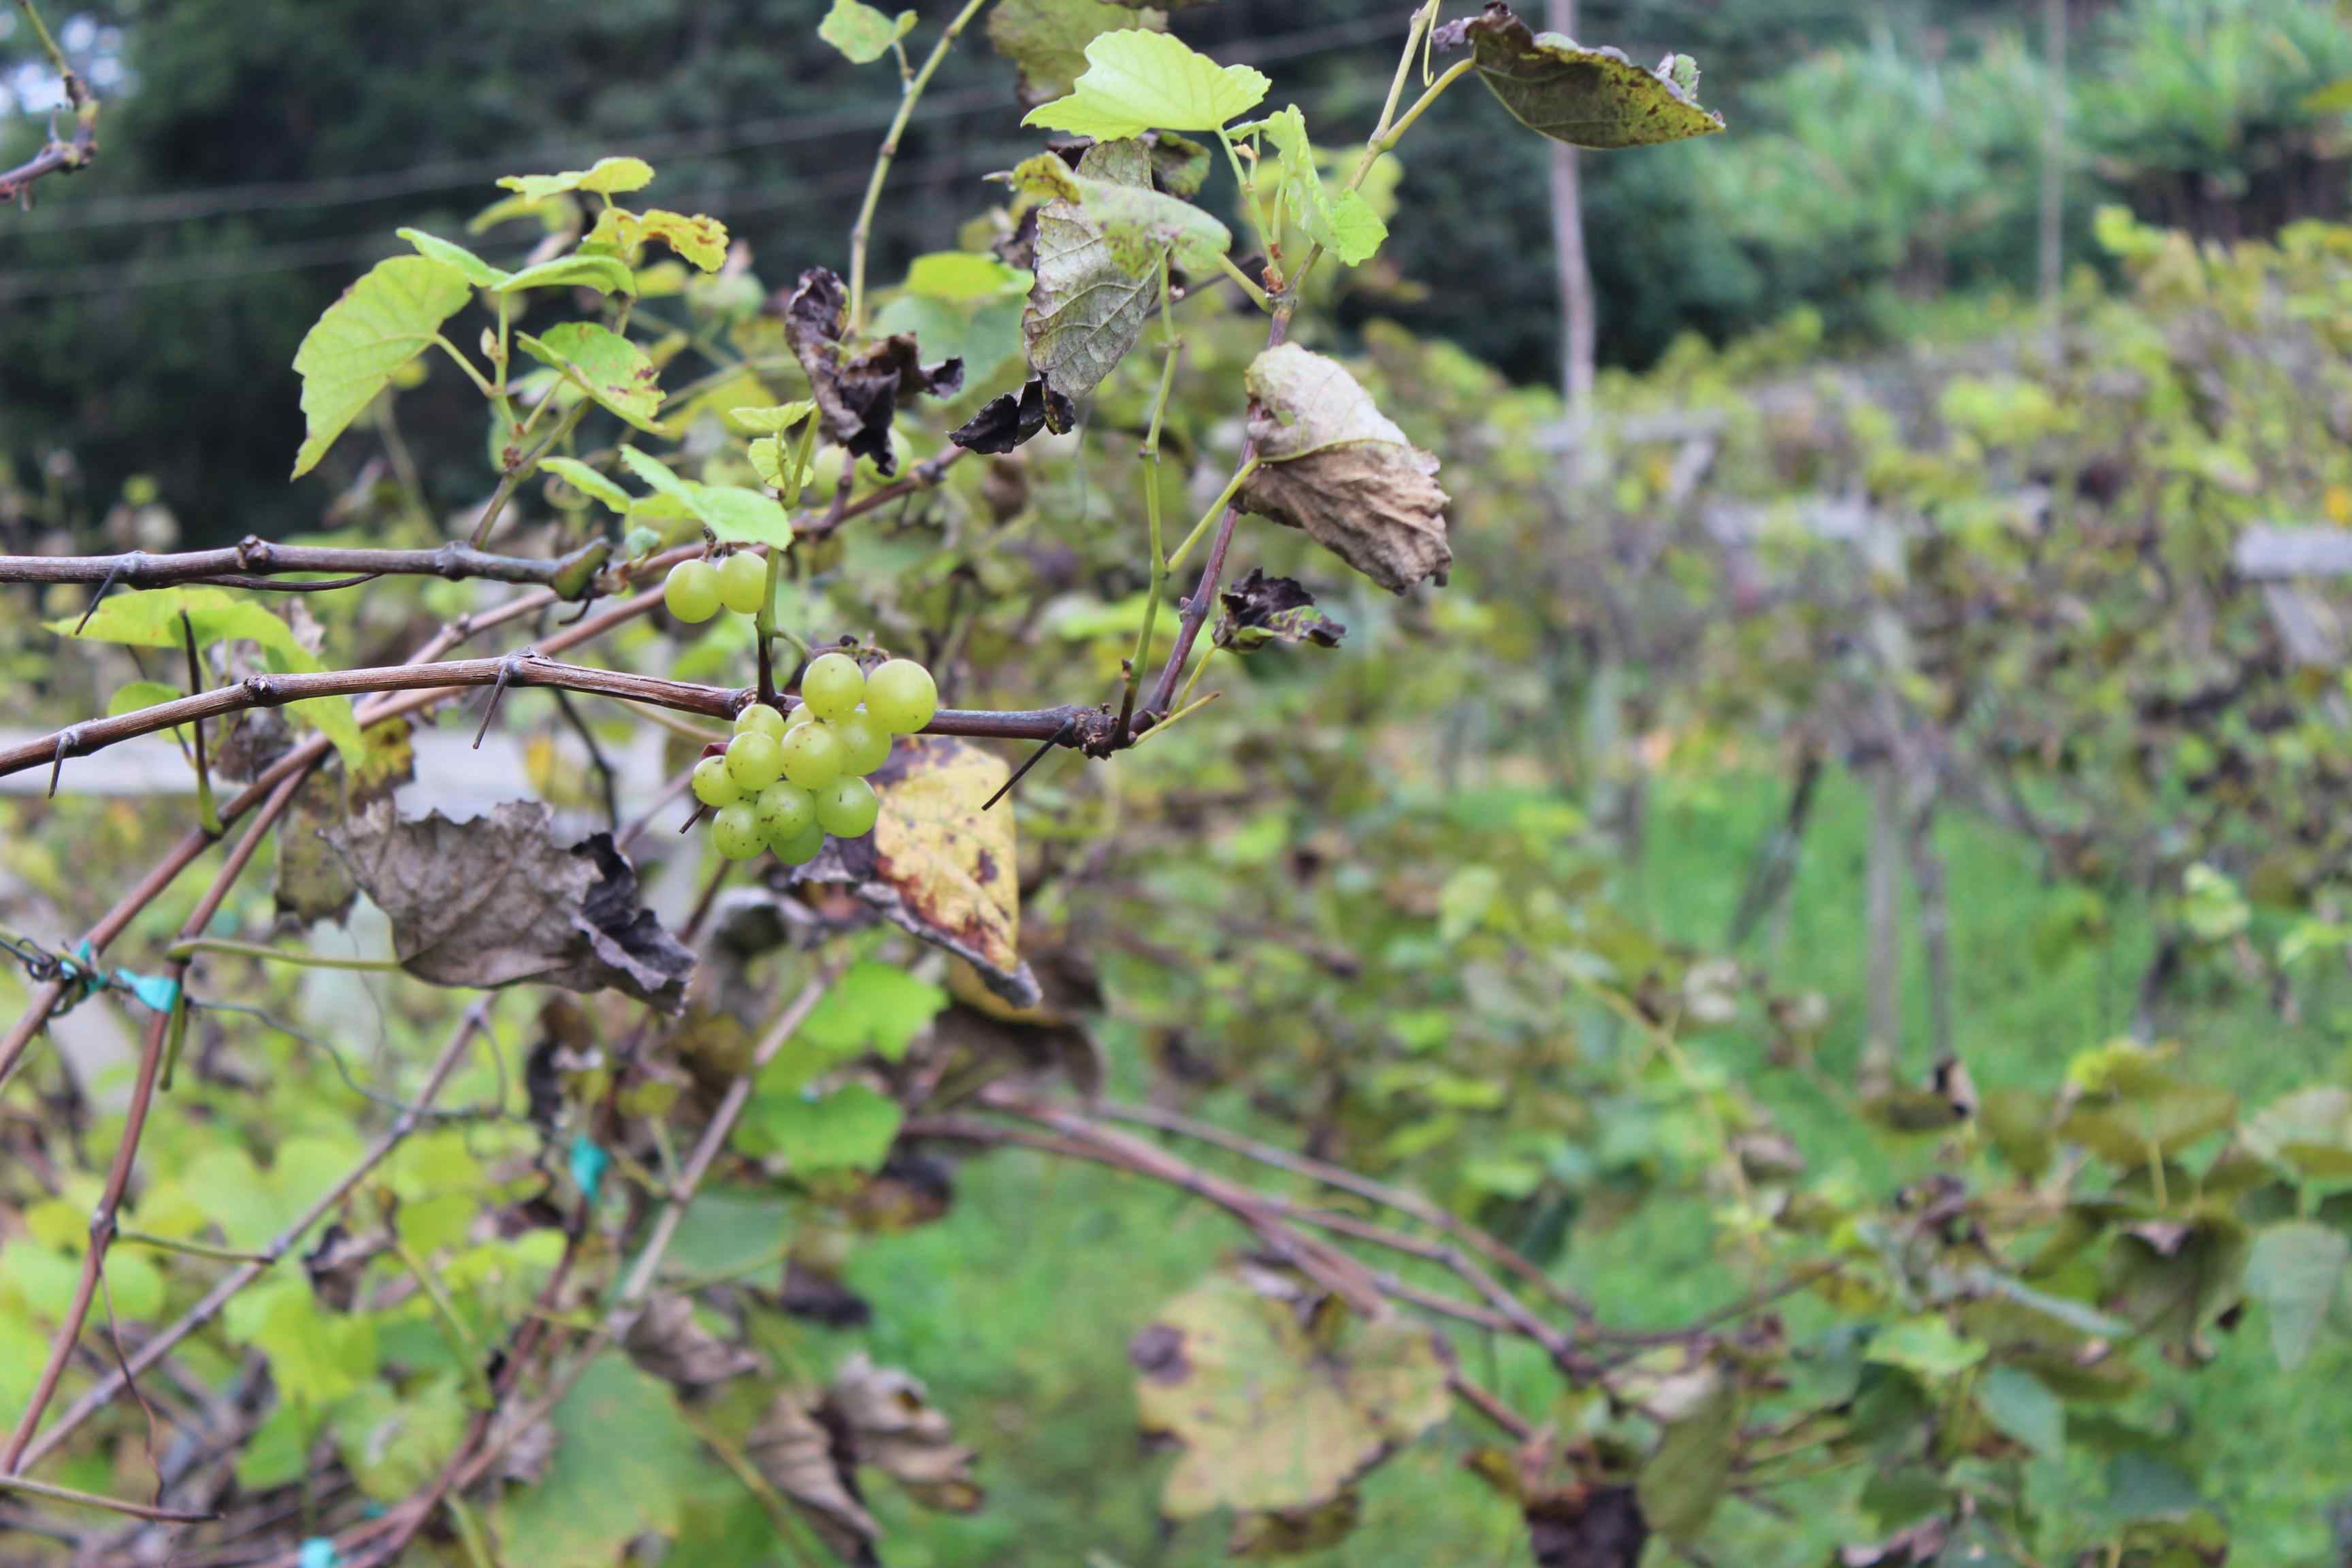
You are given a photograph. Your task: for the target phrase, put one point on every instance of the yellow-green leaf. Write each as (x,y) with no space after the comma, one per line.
(861,32)
(605,365)
(1136,81)
(383,321)
(606,176)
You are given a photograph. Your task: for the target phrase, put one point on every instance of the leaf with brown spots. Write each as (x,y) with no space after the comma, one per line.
(1585,97)
(936,864)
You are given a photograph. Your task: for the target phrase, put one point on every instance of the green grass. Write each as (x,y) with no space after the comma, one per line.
(1017,1308)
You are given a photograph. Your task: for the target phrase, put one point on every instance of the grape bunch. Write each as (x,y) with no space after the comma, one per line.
(695,590)
(784,783)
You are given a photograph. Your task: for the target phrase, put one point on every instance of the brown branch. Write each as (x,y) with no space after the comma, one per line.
(92,1499)
(57,157)
(126,1150)
(1362,1186)
(254,560)
(102,1392)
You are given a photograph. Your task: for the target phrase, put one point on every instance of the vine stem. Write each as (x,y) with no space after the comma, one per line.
(909,94)
(126,1150)
(56,157)
(1173,347)
(259,559)
(99,1394)
(511,480)
(91,1499)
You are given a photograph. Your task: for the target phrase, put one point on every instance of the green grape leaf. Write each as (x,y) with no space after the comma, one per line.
(773,419)
(730,512)
(861,32)
(2296,1270)
(1586,98)
(133,695)
(150,619)
(1334,467)
(1344,223)
(851,1129)
(1925,1347)
(1046,39)
(1181,165)
(625,1465)
(383,321)
(478,272)
(606,176)
(2309,1129)
(588,483)
(605,365)
(877,1007)
(1136,80)
(1268,1418)
(964,277)
(1681,1483)
(394,1444)
(2022,1405)
(604,274)
(316,1356)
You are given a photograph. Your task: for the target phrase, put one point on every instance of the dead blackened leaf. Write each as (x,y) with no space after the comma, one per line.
(310,881)
(1593,1527)
(893,1426)
(1586,98)
(497,900)
(1333,466)
(821,1298)
(669,1342)
(857,393)
(1005,422)
(794,1453)
(1269,1419)
(1260,609)
(936,864)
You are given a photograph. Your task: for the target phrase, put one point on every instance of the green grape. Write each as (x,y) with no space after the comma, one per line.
(846,807)
(811,755)
(743,582)
(802,713)
(760,717)
(865,745)
(785,811)
(800,851)
(902,696)
(754,760)
(692,590)
(832,686)
(735,832)
(713,784)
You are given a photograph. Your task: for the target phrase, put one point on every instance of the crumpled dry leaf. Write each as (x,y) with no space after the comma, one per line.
(894,1427)
(794,1453)
(1269,1419)
(857,395)
(1585,97)
(497,900)
(877,1416)
(1335,468)
(669,1342)
(1005,422)
(1260,609)
(936,864)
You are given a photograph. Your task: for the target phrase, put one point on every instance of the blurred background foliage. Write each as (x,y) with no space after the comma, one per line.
(258,151)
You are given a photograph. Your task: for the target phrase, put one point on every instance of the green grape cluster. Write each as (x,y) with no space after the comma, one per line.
(696,590)
(786,782)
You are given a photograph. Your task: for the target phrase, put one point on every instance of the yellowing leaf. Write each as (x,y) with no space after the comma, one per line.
(1136,80)
(605,365)
(861,32)
(700,239)
(606,176)
(1267,1418)
(383,321)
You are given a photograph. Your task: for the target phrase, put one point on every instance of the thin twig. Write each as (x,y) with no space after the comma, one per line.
(31,1488)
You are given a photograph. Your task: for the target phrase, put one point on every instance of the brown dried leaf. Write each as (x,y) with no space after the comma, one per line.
(893,1426)
(1334,467)
(668,1341)
(857,395)
(794,1453)
(496,901)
